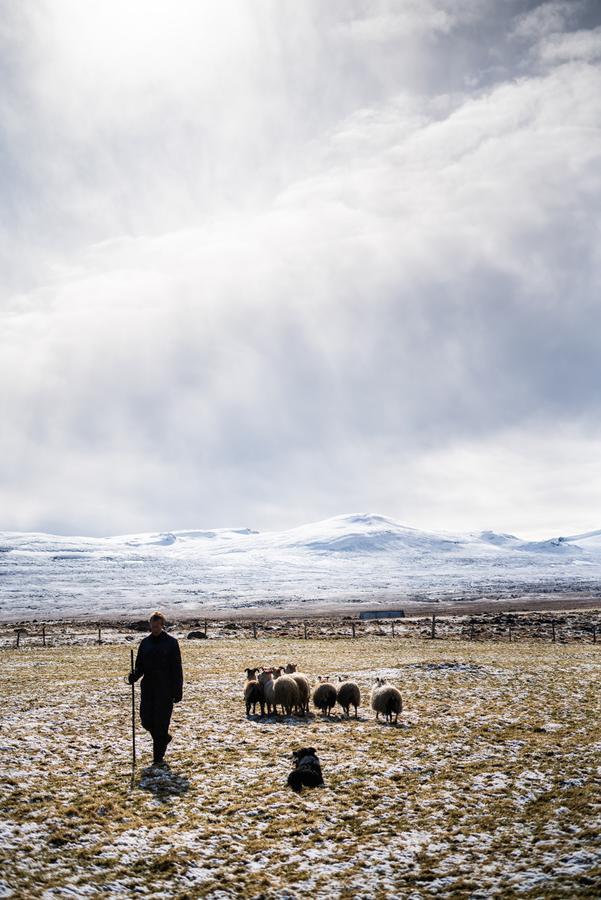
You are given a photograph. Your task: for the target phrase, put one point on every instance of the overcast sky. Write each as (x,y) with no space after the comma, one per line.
(265,263)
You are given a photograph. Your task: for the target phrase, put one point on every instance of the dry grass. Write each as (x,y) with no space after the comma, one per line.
(489,787)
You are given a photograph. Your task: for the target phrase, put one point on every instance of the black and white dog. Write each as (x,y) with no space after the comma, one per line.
(307,770)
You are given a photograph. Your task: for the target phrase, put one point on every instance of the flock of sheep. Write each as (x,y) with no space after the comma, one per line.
(290,690)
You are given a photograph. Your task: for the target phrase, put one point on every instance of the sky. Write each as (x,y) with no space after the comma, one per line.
(265,263)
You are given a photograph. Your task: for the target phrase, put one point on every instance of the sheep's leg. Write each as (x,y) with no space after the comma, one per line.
(356,714)
(262,705)
(248,708)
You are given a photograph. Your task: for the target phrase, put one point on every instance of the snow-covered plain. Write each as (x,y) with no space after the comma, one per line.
(487,788)
(349,558)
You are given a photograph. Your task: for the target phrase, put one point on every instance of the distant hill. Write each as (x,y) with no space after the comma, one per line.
(347,558)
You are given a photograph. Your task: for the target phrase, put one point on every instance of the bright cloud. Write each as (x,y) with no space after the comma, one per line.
(268,263)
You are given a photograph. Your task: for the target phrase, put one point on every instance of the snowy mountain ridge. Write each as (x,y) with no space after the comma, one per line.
(353,557)
(335,533)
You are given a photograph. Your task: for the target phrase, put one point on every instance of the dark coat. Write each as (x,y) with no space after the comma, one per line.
(159,664)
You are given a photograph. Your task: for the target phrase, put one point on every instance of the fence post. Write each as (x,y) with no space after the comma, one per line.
(510,634)
(254,630)
(594,634)
(393,629)
(305,629)
(353,628)
(553,630)
(99,635)
(18,637)
(472,630)
(43,635)
(433,629)
(206,627)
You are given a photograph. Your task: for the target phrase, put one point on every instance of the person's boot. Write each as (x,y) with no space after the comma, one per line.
(159,745)
(158,750)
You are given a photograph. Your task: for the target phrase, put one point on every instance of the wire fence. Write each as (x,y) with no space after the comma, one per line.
(507,627)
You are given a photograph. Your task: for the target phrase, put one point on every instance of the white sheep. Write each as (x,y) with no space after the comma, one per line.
(285,693)
(304,688)
(324,697)
(387,700)
(348,695)
(267,681)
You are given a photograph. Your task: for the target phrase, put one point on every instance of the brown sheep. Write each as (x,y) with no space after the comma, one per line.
(349,695)
(324,697)
(253,693)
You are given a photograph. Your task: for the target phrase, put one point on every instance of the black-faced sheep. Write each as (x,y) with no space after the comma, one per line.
(324,697)
(387,700)
(253,692)
(348,695)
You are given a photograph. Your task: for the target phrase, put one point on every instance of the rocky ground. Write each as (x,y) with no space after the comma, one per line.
(488,787)
(548,624)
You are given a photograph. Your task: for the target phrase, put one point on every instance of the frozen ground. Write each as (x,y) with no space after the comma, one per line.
(489,787)
(354,558)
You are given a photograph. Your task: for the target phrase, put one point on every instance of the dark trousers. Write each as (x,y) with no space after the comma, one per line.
(155,714)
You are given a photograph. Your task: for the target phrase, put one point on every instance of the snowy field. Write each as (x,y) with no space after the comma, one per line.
(489,786)
(348,559)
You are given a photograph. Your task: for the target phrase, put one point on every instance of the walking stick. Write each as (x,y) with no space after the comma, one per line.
(133,713)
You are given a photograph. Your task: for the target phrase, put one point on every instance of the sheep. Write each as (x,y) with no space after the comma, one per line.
(285,693)
(386,699)
(304,688)
(267,681)
(253,692)
(348,695)
(324,697)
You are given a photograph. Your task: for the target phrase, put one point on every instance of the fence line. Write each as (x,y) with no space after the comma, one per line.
(435,627)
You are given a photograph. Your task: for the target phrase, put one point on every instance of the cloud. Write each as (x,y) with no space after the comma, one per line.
(415,18)
(550,17)
(261,274)
(576,45)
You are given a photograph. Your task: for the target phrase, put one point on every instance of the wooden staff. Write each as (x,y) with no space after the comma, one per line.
(133,712)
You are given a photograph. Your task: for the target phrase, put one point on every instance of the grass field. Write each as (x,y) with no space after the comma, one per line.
(489,786)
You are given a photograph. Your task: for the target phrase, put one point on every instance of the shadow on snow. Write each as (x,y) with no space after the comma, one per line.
(160,781)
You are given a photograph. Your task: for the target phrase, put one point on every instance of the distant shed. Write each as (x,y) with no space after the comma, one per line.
(383,614)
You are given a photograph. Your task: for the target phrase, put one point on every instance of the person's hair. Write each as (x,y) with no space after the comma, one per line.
(157,617)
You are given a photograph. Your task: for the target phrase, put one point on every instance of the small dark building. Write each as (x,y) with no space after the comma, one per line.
(383,614)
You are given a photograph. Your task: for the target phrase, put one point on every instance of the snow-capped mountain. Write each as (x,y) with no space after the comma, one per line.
(349,558)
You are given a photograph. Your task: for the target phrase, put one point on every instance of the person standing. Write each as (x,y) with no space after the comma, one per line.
(159,665)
